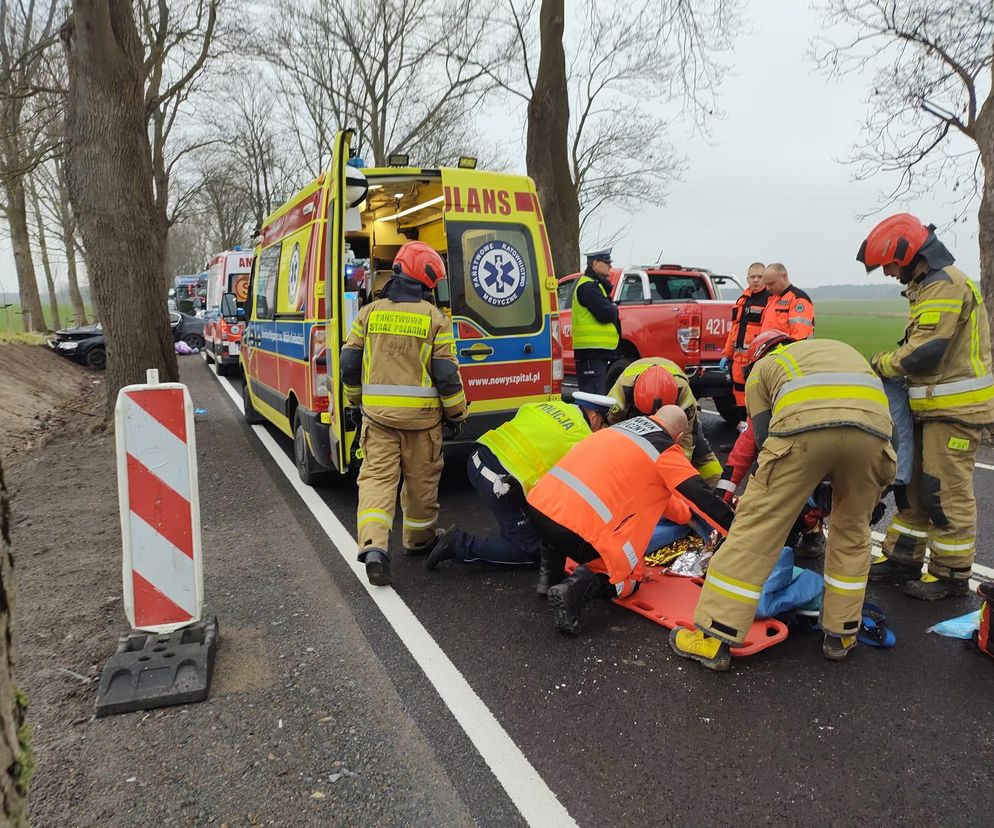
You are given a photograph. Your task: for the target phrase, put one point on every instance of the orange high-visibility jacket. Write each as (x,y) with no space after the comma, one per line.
(791,312)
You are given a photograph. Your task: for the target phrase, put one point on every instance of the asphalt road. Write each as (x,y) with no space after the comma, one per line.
(623,731)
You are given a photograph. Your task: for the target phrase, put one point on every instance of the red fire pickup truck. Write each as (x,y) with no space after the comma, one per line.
(680,313)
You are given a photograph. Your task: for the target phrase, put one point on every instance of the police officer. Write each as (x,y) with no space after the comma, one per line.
(596,329)
(600,504)
(818,412)
(505,464)
(399,364)
(648,384)
(747,320)
(789,309)
(945,358)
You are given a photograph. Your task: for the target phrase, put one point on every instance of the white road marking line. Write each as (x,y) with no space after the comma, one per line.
(526,789)
(987,466)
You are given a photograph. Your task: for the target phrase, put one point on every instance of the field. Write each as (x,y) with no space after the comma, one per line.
(10,318)
(869,327)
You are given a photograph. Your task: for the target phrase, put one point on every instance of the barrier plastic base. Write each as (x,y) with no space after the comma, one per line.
(150,670)
(670,600)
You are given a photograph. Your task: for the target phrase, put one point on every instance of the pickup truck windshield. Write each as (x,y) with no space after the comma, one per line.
(664,287)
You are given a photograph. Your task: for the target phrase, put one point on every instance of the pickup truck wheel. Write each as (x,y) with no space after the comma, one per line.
(308,468)
(252,417)
(729,411)
(614,371)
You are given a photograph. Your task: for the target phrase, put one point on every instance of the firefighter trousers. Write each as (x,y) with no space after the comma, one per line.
(388,454)
(859,465)
(938,508)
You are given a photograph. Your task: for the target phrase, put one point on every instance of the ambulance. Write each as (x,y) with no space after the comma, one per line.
(326,252)
(227,273)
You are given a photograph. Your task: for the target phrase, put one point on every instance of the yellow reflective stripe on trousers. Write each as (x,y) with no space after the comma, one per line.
(844,584)
(733,588)
(952,544)
(828,385)
(412,523)
(904,529)
(374,515)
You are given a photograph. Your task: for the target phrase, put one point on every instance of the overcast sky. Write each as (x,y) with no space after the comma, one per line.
(767,185)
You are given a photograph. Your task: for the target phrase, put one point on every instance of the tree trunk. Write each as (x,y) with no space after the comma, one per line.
(547,153)
(985,215)
(46,263)
(14,755)
(109,170)
(33,317)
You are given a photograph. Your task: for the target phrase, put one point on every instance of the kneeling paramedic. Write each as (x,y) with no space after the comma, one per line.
(600,504)
(506,464)
(399,364)
(819,412)
(647,385)
(945,358)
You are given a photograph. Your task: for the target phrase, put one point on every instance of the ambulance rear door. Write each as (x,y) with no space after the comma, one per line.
(502,294)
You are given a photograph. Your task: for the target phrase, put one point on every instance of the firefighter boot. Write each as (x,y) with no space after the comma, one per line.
(448,542)
(713,653)
(888,571)
(551,570)
(930,588)
(569,597)
(837,647)
(377,566)
(427,546)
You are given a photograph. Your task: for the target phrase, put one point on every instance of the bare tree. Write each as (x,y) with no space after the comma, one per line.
(930,113)
(41,238)
(26,30)
(404,73)
(109,171)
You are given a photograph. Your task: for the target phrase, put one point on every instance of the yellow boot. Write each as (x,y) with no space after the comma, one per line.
(711,652)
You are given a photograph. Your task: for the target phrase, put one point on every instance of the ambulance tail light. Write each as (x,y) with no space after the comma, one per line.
(688,331)
(557,357)
(319,369)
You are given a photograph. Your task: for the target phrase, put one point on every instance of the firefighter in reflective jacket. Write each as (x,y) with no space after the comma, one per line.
(505,465)
(596,329)
(747,320)
(601,502)
(819,412)
(399,364)
(945,358)
(650,383)
(789,309)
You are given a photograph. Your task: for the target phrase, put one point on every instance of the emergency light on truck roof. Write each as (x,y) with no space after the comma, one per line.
(430,202)
(467,162)
(398,159)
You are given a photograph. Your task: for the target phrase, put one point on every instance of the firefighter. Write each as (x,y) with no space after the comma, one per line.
(600,504)
(945,358)
(505,464)
(399,365)
(818,412)
(650,383)
(596,329)
(747,319)
(789,309)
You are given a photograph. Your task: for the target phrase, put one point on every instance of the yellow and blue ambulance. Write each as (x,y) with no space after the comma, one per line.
(329,249)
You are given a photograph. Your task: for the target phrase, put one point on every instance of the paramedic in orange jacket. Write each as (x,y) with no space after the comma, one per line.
(747,319)
(789,310)
(601,502)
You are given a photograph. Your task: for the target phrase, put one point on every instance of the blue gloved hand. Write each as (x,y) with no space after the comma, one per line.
(724,363)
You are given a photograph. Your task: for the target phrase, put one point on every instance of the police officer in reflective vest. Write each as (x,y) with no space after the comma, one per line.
(399,365)
(505,465)
(945,358)
(789,309)
(818,412)
(648,384)
(596,329)
(747,321)
(600,504)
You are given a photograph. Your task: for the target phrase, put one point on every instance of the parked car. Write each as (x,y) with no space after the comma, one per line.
(666,310)
(187,327)
(84,345)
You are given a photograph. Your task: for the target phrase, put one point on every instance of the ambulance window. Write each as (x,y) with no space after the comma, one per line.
(493,278)
(566,294)
(265,282)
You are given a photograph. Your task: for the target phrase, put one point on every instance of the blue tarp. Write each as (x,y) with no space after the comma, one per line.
(788,587)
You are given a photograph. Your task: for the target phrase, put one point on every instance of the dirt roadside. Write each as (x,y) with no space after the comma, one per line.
(303,727)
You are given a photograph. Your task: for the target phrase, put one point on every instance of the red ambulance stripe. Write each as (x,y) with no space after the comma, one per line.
(523,202)
(167,512)
(165,405)
(152,607)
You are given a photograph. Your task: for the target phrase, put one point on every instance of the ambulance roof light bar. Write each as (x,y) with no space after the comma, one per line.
(467,162)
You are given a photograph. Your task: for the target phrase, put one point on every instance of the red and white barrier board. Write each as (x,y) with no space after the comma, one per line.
(160,506)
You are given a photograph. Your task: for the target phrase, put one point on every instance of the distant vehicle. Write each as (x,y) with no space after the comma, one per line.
(84,345)
(666,310)
(189,293)
(228,272)
(188,328)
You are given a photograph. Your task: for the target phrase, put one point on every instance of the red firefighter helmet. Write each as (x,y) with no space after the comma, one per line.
(420,261)
(654,388)
(764,343)
(896,240)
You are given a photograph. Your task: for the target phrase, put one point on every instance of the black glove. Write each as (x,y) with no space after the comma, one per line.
(454,427)
(878,513)
(353,419)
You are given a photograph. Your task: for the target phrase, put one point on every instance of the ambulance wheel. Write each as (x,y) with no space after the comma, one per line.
(308,468)
(729,411)
(222,369)
(252,417)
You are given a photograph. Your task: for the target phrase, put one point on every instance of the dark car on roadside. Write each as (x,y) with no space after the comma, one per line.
(188,328)
(84,345)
